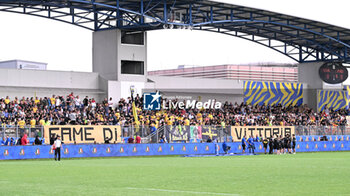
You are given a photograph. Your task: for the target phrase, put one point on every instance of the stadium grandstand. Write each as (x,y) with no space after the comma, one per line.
(202,123)
(35,113)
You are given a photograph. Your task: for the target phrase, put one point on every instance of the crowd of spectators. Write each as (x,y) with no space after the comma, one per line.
(71,109)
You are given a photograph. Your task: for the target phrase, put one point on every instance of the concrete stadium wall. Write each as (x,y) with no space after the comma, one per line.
(116,150)
(48,79)
(206,96)
(19,82)
(108,52)
(219,89)
(308,74)
(104,58)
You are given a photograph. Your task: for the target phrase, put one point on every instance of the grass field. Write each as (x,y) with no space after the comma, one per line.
(322,173)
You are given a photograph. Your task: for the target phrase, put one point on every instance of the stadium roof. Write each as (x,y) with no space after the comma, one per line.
(300,39)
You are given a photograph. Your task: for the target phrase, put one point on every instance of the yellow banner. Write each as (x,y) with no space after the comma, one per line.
(84,133)
(237,132)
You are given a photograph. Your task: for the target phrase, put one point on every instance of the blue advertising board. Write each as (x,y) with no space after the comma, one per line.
(120,150)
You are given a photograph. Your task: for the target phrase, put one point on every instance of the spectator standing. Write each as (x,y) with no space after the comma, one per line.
(52,139)
(110,103)
(131,140)
(86,101)
(12,142)
(37,141)
(21,125)
(32,124)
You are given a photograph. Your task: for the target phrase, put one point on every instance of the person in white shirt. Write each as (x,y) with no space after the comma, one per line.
(57,145)
(58,101)
(110,103)
(77,102)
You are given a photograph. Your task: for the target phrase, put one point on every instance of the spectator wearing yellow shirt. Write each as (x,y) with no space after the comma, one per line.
(117,115)
(42,122)
(32,122)
(37,101)
(147,121)
(7,100)
(21,125)
(32,126)
(53,101)
(169,122)
(35,109)
(172,118)
(186,122)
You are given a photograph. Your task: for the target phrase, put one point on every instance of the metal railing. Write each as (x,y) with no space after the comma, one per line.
(142,131)
(18,131)
(176,133)
(322,130)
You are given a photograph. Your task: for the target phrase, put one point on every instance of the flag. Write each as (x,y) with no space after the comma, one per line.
(196,132)
(134,113)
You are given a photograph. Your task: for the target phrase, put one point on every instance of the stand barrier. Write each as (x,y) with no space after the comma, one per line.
(119,150)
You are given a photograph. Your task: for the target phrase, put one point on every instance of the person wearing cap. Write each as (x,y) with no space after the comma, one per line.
(57,145)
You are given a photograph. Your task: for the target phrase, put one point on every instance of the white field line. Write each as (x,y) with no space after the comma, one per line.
(180,191)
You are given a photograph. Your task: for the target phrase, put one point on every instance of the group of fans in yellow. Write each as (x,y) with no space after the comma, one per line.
(70,109)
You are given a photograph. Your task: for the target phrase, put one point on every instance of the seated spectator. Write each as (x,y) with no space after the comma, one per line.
(5,141)
(37,141)
(131,140)
(209,140)
(19,141)
(24,139)
(324,138)
(162,139)
(138,139)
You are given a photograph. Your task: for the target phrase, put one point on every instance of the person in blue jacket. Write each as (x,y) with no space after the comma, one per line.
(5,141)
(244,143)
(251,146)
(225,147)
(257,139)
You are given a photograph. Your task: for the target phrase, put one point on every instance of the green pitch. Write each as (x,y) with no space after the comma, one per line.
(323,173)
